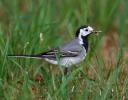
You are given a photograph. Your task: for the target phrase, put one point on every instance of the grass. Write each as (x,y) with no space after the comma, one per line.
(101,76)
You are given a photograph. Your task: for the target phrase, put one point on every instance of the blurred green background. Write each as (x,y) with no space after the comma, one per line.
(102,75)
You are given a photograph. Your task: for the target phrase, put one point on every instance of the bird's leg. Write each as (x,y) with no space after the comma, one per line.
(66,71)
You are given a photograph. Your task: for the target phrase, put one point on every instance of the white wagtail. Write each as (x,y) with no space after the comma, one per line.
(71,53)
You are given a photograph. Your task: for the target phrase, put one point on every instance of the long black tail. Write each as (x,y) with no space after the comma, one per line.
(26,56)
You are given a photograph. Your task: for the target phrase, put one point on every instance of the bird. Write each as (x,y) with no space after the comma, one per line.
(71,53)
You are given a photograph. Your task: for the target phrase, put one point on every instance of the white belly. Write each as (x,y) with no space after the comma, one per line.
(71,61)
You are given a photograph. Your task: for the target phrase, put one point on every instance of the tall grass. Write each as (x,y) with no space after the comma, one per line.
(22,22)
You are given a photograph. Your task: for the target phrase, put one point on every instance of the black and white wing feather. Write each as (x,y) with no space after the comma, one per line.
(71,49)
(52,53)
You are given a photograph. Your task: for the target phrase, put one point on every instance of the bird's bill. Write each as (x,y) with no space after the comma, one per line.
(96,32)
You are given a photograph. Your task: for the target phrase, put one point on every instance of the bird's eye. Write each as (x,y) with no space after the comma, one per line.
(86,30)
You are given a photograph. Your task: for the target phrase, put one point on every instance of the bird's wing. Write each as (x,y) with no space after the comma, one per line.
(71,49)
(52,53)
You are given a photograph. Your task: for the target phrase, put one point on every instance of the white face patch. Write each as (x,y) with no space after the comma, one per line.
(84,32)
(89,29)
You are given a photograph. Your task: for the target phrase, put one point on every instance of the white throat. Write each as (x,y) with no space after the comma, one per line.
(80,39)
(82,33)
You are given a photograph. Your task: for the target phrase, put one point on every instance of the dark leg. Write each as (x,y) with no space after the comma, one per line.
(65,71)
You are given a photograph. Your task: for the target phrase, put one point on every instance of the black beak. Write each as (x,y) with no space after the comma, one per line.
(96,32)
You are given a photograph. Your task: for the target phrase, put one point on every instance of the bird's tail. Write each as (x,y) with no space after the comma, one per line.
(26,56)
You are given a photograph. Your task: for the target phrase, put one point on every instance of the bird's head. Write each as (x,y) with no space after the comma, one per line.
(85,31)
